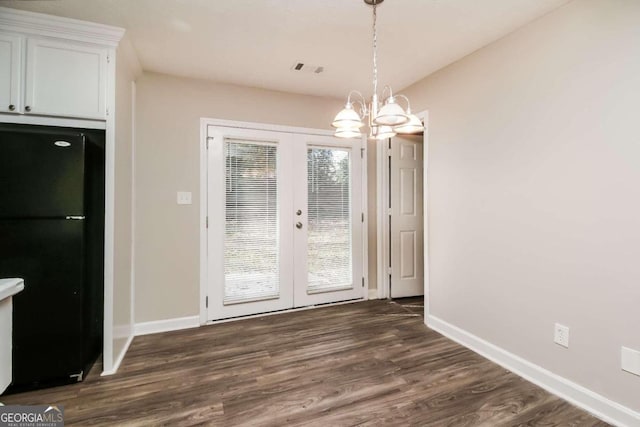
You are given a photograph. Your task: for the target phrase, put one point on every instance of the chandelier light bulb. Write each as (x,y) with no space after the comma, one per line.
(347,118)
(383,132)
(391,114)
(348,132)
(414,125)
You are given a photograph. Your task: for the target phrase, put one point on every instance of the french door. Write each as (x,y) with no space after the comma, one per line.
(284,221)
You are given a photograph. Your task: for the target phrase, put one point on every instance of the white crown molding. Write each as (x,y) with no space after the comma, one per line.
(31,23)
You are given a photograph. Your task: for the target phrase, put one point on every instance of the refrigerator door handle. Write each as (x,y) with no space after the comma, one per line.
(75,218)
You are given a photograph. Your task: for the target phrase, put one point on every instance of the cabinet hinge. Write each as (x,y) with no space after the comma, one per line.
(362,153)
(207,222)
(206,301)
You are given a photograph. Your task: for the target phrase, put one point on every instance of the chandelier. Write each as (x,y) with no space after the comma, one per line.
(384,119)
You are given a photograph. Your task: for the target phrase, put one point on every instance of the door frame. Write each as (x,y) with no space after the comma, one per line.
(382,215)
(204,124)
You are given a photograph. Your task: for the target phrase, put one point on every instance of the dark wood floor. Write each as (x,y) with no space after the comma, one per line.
(368,363)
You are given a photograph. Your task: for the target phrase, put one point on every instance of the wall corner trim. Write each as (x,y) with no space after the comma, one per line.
(167,325)
(119,358)
(601,407)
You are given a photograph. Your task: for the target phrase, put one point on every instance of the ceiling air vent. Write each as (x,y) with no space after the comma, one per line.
(301,67)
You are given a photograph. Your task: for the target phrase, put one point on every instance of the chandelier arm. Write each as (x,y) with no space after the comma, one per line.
(408,103)
(355,92)
(390,92)
(363,107)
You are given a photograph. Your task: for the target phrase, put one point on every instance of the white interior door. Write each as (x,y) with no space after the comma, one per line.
(284,221)
(407,246)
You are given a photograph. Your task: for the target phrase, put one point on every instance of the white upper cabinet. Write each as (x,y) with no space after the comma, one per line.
(10,73)
(53,67)
(65,79)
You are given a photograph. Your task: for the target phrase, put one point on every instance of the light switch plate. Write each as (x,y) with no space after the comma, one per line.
(184,197)
(630,360)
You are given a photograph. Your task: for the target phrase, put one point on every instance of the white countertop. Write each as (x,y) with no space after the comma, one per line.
(10,287)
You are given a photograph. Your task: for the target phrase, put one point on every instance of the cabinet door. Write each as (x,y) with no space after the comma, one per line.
(65,79)
(10,73)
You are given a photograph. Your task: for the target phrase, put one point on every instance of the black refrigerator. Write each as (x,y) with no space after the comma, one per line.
(52,235)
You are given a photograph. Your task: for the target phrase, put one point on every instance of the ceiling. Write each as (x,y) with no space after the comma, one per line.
(256,42)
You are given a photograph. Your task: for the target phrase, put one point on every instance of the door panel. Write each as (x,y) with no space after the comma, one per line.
(408,254)
(251,222)
(407,276)
(328,220)
(328,246)
(249,202)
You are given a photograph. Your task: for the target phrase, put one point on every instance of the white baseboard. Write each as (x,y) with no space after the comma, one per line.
(373,294)
(603,408)
(157,326)
(119,358)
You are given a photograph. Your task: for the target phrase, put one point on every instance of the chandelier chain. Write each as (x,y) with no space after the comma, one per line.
(375,51)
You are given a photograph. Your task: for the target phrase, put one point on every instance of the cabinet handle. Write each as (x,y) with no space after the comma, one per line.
(12,107)
(27,108)
(298,225)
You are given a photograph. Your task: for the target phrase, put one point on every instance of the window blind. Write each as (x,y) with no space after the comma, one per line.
(329,219)
(251,230)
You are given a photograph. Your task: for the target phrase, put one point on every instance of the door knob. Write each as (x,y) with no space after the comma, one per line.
(298,212)
(27,108)
(298,225)
(12,107)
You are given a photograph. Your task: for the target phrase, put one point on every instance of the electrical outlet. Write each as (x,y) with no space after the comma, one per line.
(561,335)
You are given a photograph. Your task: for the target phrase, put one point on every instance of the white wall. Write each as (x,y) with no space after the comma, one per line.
(534,192)
(167,160)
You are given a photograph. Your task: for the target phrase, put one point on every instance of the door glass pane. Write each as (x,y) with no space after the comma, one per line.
(329,254)
(251,229)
